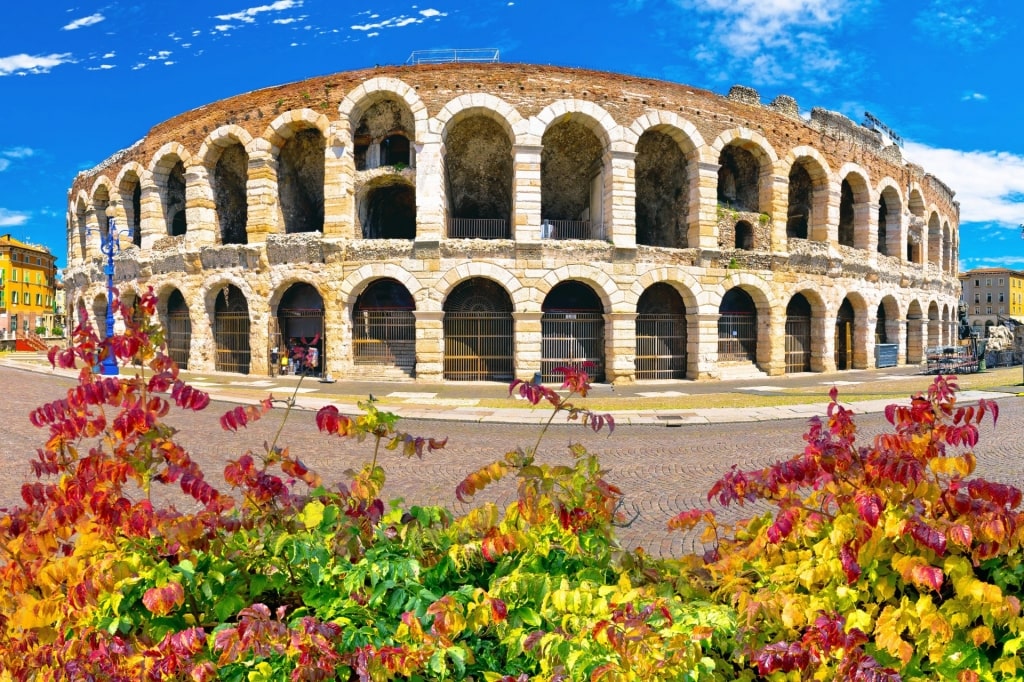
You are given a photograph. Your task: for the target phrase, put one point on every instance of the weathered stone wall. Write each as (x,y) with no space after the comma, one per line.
(294,176)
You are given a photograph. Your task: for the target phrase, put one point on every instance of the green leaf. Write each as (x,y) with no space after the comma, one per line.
(526,615)
(187,569)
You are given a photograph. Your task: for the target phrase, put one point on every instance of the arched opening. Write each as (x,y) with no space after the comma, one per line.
(298,329)
(737,327)
(389,210)
(384,327)
(300,182)
(100,202)
(662,191)
(889,228)
(478,332)
(934,326)
(845,320)
(744,236)
(570,182)
(179,329)
(382,134)
(934,241)
(479,174)
(846,214)
(801,202)
(738,175)
(130,190)
(948,264)
(572,330)
(915,234)
(915,334)
(231,331)
(173,199)
(82,229)
(881,326)
(99,315)
(394,150)
(230,175)
(798,335)
(660,334)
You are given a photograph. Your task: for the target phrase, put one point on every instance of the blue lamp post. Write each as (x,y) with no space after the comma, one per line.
(109,245)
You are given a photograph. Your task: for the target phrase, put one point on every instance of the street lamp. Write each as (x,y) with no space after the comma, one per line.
(109,245)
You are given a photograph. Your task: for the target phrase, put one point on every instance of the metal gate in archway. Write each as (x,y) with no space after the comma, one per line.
(384,327)
(660,334)
(298,328)
(179,330)
(231,331)
(844,336)
(478,333)
(571,339)
(798,344)
(737,337)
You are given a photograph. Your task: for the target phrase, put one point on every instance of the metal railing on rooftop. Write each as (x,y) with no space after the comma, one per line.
(474,54)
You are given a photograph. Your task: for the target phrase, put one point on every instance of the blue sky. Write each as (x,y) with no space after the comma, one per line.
(81,80)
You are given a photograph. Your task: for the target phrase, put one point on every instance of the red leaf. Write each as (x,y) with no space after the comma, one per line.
(163,600)
(848,557)
(870,506)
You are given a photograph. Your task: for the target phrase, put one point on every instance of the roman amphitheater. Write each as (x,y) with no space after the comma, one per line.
(479,222)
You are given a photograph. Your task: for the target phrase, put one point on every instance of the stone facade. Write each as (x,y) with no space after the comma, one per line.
(485,221)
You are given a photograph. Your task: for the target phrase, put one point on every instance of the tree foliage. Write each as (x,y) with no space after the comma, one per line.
(879,562)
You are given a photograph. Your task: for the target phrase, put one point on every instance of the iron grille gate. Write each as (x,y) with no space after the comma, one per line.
(798,344)
(384,337)
(478,346)
(296,329)
(179,337)
(660,346)
(231,338)
(571,339)
(737,337)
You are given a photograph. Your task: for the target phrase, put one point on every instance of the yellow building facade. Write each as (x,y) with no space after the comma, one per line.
(992,295)
(27,286)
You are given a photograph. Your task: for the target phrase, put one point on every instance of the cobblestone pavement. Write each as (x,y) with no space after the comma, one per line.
(662,470)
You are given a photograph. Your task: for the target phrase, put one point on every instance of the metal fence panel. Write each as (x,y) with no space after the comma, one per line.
(231,339)
(660,346)
(384,337)
(179,337)
(798,344)
(477,228)
(571,339)
(566,229)
(300,327)
(737,337)
(478,346)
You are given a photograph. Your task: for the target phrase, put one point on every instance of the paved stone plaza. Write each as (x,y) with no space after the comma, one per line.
(661,469)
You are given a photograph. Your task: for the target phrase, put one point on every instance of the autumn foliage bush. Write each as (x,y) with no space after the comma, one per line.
(883,561)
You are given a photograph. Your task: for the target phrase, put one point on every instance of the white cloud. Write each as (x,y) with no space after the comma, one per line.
(161,55)
(373,34)
(18,152)
(989,185)
(432,13)
(4,165)
(397,22)
(84,21)
(109,55)
(248,16)
(12,218)
(288,20)
(772,38)
(101,67)
(223,27)
(973,97)
(22,64)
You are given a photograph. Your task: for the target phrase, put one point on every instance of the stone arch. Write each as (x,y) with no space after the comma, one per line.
(851,333)
(225,158)
(102,198)
(890,219)
(168,172)
(808,180)
(298,140)
(222,137)
(576,145)
(683,282)
(916,338)
(804,314)
(854,205)
(478,133)
(591,115)
(353,285)
(887,328)
(573,330)
(934,239)
(947,249)
(612,298)
(130,181)
(934,325)
(80,213)
(746,160)
(484,104)
(386,208)
(520,295)
(355,103)
(666,168)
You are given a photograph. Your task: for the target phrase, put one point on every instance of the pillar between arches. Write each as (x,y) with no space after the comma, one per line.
(620,213)
(429,345)
(261,193)
(702,350)
(526,194)
(704,233)
(430,209)
(620,348)
(776,365)
(527,335)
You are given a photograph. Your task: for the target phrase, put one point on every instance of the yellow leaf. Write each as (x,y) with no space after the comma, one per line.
(858,619)
(982,635)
